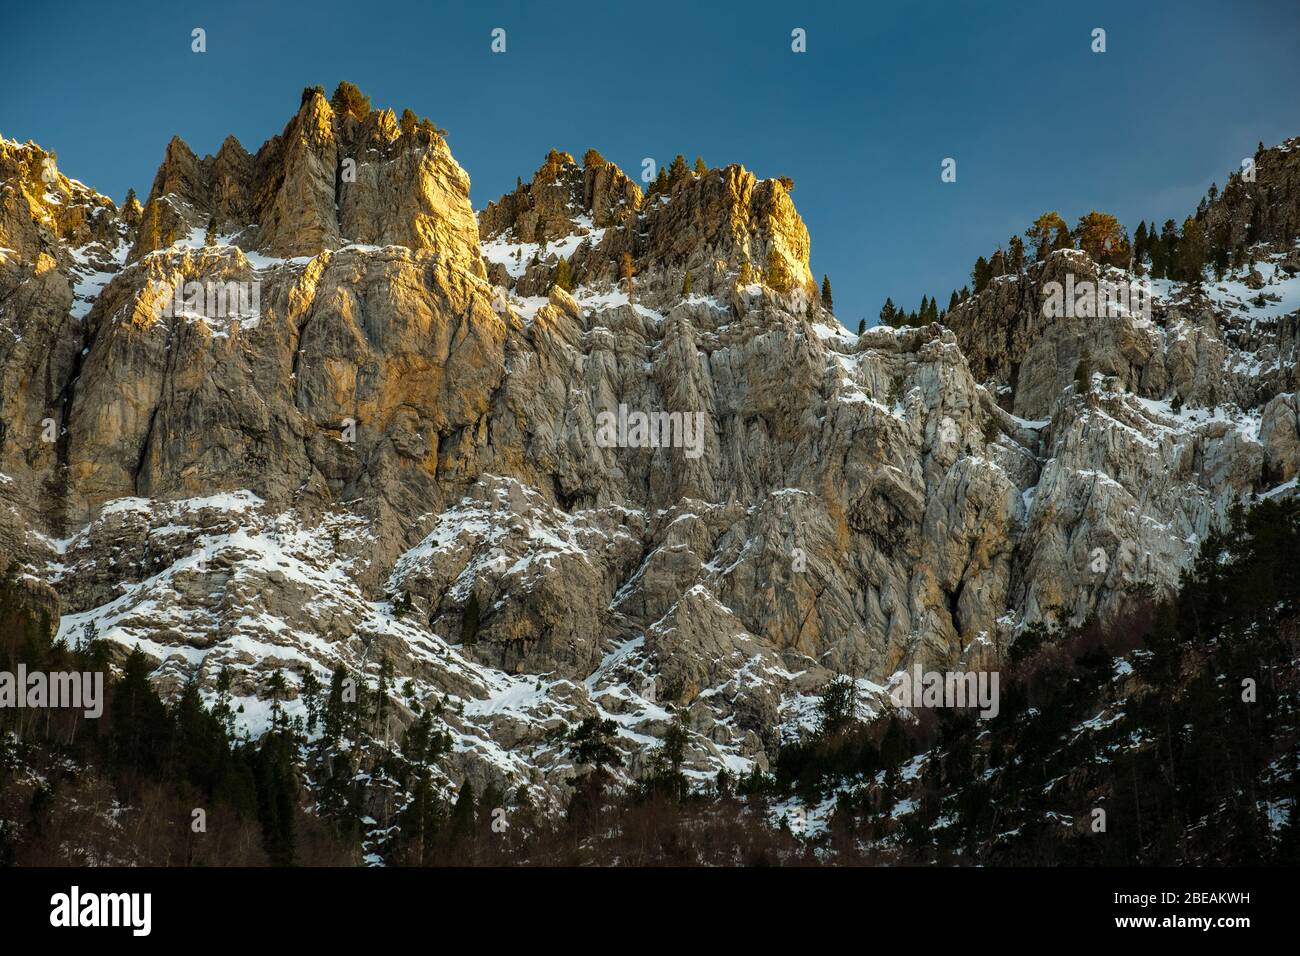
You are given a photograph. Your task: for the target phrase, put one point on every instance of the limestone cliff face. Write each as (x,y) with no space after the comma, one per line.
(560,192)
(720,226)
(218,184)
(403,410)
(326,181)
(43,212)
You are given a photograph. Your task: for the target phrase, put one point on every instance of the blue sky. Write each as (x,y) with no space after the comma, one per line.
(861,121)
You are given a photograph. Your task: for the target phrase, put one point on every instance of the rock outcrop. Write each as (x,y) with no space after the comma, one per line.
(724,227)
(328,180)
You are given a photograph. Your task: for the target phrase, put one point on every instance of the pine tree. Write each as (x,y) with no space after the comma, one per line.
(666,764)
(1063,239)
(677,171)
(998,264)
(139,719)
(1191,251)
(686,283)
(402,605)
(1169,250)
(131,209)
(1041,233)
(419,820)
(200,750)
(953,300)
(627,272)
(348,99)
(826,293)
(778,275)
(462,814)
(277,687)
(981,275)
(311,697)
(1100,236)
(409,122)
(700,168)
(889,313)
(222,709)
(661,183)
(335,706)
(591,742)
(1017,254)
(382,695)
(675,745)
(277,796)
(211,238)
(1121,254)
(1221,247)
(837,706)
(862,326)
(1156,252)
(563,275)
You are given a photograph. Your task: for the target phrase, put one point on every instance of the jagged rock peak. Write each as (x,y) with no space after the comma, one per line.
(563,198)
(43,212)
(723,226)
(338,173)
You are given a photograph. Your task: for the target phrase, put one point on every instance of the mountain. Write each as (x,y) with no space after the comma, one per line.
(363,430)
(1167,737)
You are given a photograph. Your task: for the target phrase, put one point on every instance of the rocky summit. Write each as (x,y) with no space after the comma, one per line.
(594,450)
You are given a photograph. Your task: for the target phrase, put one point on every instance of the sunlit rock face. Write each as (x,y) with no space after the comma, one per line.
(243,417)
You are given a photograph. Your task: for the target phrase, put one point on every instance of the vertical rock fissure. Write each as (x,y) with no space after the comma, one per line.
(153,414)
(57,484)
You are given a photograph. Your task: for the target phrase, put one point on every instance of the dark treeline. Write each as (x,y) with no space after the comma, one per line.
(1185,769)
(1143,719)
(1178,721)
(125,787)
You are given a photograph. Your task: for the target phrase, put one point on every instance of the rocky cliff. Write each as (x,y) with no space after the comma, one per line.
(249,451)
